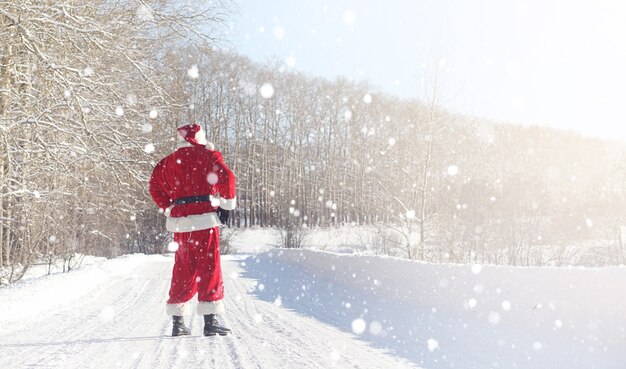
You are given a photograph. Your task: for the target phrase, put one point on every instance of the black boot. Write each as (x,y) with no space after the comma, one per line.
(213,327)
(179,328)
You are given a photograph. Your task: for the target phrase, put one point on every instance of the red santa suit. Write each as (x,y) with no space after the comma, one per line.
(188,186)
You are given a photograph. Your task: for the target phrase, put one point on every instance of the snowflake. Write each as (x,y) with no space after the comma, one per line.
(348,17)
(453,170)
(358,326)
(432,344)
(279,32)
(267,91)
(193,72)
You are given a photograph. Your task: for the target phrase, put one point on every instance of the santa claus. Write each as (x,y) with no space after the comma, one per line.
(195,189)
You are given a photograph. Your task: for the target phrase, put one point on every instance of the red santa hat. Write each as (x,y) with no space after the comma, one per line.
(192,134)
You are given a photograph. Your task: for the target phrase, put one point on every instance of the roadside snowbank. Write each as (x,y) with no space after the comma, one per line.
(36,292)
(456,316)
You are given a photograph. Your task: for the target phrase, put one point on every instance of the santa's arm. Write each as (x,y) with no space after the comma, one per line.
(159,195)
(225,183)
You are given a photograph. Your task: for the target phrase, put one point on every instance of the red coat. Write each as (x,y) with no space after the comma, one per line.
(192,171)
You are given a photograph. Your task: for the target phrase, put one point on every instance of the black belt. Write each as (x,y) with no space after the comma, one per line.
(192,200)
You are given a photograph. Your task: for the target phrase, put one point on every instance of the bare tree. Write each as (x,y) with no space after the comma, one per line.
(80,88)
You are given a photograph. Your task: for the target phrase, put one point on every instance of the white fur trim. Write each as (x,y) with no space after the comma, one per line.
(177,309)
(228,204)
(182,143)
(168,210)
(192,222)
(210,307)
(201,137)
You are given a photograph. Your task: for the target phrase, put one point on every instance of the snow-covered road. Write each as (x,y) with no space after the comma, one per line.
(308,309)
(111,315)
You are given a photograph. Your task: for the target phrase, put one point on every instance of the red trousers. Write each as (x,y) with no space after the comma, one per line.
(197,267)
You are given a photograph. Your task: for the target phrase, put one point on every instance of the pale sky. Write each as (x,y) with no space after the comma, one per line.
(554,62)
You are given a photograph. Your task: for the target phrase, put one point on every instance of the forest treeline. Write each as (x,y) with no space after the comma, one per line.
(91,93)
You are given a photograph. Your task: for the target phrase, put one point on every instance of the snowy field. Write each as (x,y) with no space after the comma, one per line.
(366,240)
(456,316)
(313,309)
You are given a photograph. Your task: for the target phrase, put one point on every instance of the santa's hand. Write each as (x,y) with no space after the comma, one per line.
(223,215)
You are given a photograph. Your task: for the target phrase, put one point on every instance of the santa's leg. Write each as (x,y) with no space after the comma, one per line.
(183,286)
(210,283)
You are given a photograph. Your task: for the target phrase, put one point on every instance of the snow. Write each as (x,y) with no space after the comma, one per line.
(193,72)
(267,91)
(432,345)
(172,246)
(35,293)
(112,315)
(315,309)
(87,72)
(212,178)
(510,324)
(291,61)
(279,32)
(348,17)
(358,326)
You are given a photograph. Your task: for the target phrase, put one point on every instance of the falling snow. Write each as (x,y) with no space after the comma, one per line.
(348,17)
(279,32)
(267,91)
(494,317)
(193,72)
(453,170)
(212,178)
(432,344)
(88,72)
(358,326)
(172,246)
